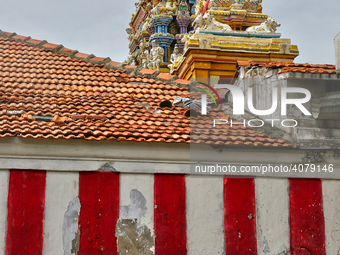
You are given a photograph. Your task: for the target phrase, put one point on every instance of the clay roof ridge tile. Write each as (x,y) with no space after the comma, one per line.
(83,56)
(6,34)
(36,43)
(20,38)
(11,35)
(60,49)
(51,46)
(99,60)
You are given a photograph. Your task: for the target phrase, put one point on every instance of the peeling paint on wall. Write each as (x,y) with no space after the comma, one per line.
(132,236)
(70,228)
(137,209)
(266,246)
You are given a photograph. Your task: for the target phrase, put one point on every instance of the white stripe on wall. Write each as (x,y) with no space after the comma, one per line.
(331,207)
(205,215)
(4,178)
(137,199)
(61,213)
(272,215)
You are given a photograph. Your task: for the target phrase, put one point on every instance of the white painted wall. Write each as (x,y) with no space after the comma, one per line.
(4,179)
(61,189)
(137,157)
(204,196)
(331,207)
(205,215)
(337,52)
(144,183)
(272,215)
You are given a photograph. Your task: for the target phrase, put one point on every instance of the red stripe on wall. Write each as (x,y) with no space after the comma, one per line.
(307,226)
(239,216)
(25,220)
(170,215)
(99,198)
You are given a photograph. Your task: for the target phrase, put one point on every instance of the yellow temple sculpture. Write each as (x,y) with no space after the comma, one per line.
(198,39)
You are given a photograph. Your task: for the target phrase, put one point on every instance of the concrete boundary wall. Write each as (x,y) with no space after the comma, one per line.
(204,216)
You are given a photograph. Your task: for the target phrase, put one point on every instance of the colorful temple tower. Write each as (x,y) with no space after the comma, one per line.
(196,39)
(163,22)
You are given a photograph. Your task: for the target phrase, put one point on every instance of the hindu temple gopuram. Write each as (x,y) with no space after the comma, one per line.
(198,39)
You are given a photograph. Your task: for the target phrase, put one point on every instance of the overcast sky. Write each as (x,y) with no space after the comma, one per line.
(98,27)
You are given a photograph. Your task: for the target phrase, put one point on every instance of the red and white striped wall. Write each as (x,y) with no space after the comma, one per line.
(89,213)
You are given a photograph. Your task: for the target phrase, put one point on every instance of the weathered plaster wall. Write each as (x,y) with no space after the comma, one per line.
(337,52)
(4,178)
(135,228)
(331,206)
(62,207)
(263,89)
(205,224)
(272,216)
(131,204)
(204,215)
(105,156)
(319,130)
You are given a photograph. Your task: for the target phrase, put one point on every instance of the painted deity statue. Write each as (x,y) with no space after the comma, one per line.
(199,5)
(131,60)
(143,55)
(211,24)
(199,23)
(183,8)
(129,31)
(187,36)
(155,57)
(259,9)
(175,58)
(171,7)
(237,5)
(248,5)
(269,26)
(155,10)
(146,23)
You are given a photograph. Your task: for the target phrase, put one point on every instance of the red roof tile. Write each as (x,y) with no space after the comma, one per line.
(57,96)
(51,45)
(36,42)
(243,63)
(128,66)
(292,67)
(164,76)
(114,63)
(8,33)
(98,59)
(20,37)
(82,55)
(66,50)
(147,71)
(182,81)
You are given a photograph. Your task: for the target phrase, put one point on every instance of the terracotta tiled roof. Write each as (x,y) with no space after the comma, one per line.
(292,67)
(49,91)
(202,131)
